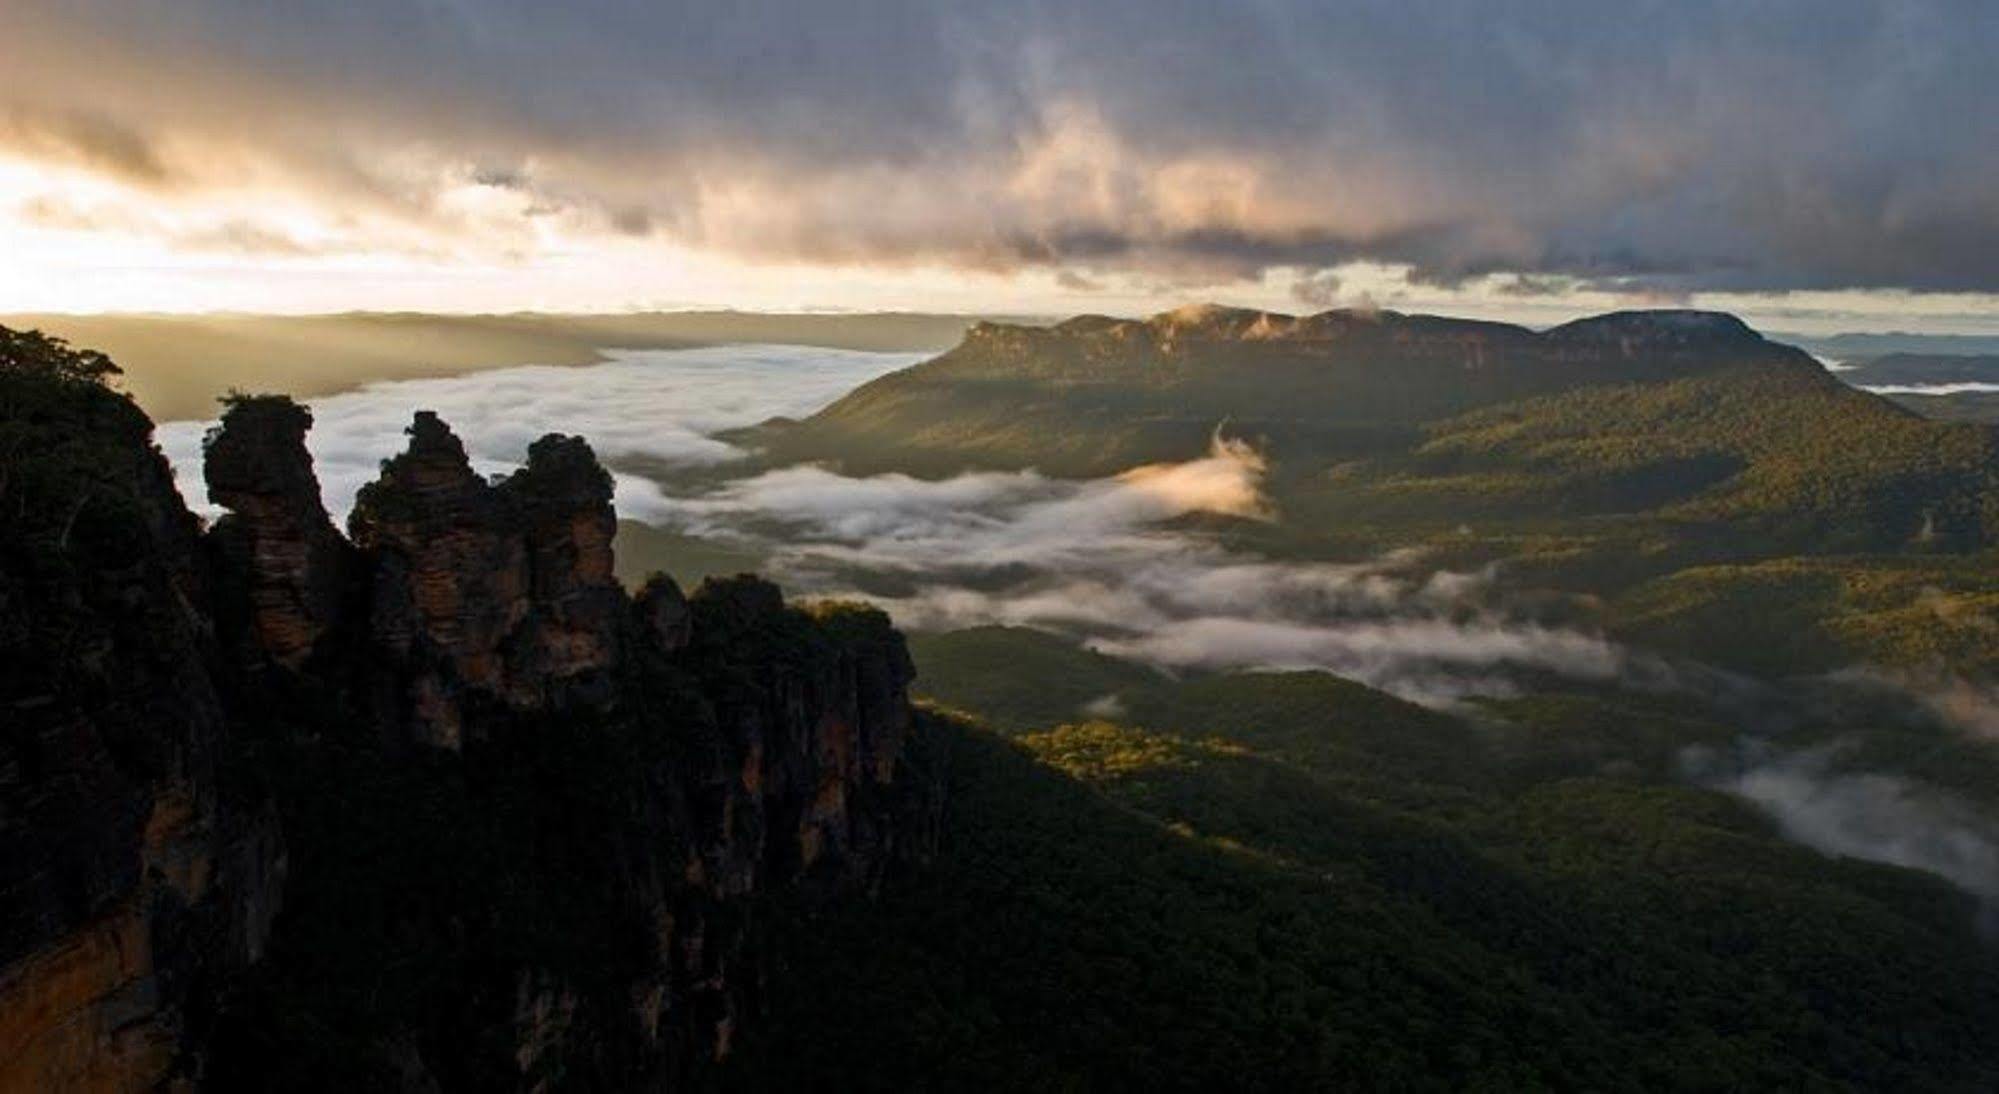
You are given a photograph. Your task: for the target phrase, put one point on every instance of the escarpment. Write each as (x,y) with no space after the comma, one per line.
(434,804)
(135,878)
(1094,395)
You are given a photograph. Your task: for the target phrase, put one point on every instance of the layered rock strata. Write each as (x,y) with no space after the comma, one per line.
(629,790)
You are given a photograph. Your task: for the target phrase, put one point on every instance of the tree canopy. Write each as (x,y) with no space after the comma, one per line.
(34,354)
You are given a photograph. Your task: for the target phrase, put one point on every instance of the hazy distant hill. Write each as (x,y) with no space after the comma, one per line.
(1925,368)
(1858,347)
(175,366)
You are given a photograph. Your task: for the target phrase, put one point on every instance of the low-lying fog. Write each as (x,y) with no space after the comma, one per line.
(1124,564)
(1964,387)
(1103,560)
(639,406)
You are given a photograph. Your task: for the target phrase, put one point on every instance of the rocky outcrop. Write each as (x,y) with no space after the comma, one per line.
(448,571)
(537,824)
(576,603)
(663,613)
(278,540)
(501,591)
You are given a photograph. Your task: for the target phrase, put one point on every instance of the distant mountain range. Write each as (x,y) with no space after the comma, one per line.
(1859,347)
(1924,370)
(1690,415)
(1093,395)
(176,366)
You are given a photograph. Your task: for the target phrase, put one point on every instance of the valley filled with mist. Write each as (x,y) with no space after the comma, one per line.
(1596,622)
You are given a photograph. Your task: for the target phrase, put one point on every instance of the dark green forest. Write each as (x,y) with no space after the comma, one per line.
(1126,908)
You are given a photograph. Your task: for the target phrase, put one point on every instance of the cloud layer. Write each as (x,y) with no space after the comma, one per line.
(643,407)
(1964,387)
(1875,817)
(1110,562)
(1697,144)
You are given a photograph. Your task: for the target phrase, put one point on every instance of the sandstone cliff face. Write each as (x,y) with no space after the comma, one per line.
(1108,394)
(500,592)
(527,830)
(133,876)
(278,541)
(1388,358)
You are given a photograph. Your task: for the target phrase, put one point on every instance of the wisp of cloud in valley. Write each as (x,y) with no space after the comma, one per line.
(659,407)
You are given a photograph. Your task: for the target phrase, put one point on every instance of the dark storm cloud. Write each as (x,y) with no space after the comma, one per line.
(1661,147)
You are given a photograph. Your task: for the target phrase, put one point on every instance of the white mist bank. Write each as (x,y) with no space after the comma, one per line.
(1873,817)
(659,405)
(1106,561)
(1963,387)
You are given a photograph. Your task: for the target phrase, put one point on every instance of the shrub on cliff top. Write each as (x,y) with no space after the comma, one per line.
(32,353)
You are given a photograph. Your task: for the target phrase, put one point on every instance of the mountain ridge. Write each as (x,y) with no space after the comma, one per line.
(1596,456)
(1341,379)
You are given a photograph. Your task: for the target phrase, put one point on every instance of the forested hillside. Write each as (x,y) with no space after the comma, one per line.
(1635,459)
(1286,899)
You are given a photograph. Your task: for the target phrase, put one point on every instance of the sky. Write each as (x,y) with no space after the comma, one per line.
(1814,165)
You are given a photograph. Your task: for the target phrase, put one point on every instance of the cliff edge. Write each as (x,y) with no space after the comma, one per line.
(432,804)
